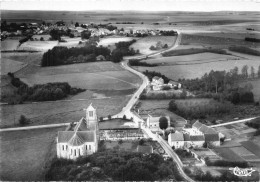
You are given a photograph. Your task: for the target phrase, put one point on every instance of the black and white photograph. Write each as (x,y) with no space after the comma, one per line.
(130,90)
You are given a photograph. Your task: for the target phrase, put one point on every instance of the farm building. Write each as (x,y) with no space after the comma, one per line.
(153,123)
(81,140)
(176,139)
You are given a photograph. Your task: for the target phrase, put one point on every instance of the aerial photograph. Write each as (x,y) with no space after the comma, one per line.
(130,90)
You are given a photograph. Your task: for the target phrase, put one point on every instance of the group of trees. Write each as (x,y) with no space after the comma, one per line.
(159,46)
(224,84)
(193,110)
(88,53)
(43,92)
(151,74)
(255,123)
(138,62)
(168,33)
(114,166)
(252,39)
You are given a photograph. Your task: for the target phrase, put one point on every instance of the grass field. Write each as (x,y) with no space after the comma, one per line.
(112,40)
(38,45)
(252,147)
(9,44)
(8,65)
(228,154)
(60,111)
(212,41)
(24,154)
(144,44)
(198,70)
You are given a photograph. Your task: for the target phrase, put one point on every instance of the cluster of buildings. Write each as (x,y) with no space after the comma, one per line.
(82,139)
(195,137)
(157,83)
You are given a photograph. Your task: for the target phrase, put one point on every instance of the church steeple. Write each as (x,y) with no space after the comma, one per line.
(91,115)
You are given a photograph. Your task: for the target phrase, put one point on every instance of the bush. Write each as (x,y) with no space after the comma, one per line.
(23,120)
(124,117)
(101,119)
(109,117)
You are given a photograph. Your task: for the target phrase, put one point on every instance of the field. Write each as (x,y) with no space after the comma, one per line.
(144,44)
(228,154)
(212,41)
(24,154)
(38,45)
(252,147)
(8,65)
(195,70)
(110,41)
(9,44)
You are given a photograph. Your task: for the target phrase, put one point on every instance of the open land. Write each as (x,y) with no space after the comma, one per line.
(143,44)
(25,154)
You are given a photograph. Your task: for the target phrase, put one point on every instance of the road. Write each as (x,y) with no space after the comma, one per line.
(233,122)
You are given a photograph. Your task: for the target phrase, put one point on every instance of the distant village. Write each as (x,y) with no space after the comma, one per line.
(73,30)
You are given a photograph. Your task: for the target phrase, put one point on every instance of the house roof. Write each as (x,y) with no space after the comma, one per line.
(211,131)
(157,118)
(211,137)
(176,136)
(186,137)
(145,149)
(156,78)
(197,124)
(197,138)
(173,82)
(203,128)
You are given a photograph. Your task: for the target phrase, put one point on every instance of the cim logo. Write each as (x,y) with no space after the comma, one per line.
(242,172)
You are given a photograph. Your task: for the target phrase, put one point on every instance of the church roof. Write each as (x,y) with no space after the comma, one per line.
(76,138)
(81,125)
(90,107)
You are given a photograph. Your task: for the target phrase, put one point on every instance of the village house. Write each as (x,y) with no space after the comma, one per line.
(153,123)
(80,140)
(157,83)
(176,139)
(174,84)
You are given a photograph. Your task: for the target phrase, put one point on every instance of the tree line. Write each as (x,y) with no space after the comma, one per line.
(111,165)
(88,53)
(151,74)
(224,85)
(43,92)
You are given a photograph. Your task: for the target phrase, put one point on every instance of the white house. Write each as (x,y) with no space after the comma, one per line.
(82,139)
(153,123)
(157,83)
(174,84)
(176,139)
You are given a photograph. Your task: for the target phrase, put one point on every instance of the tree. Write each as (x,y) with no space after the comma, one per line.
(109,117)
(163,123)
(244,71)
(172,106)
(152,48)
(258,73)
(85,34)
(76,24)
(124,117)
(141,142)
(41,39)
(23,120)
(252,72)
(101,119)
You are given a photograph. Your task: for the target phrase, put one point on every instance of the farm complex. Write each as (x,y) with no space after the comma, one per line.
(130,95)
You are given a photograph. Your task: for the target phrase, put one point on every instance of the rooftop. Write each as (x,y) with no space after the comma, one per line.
(145,149)
(176,136)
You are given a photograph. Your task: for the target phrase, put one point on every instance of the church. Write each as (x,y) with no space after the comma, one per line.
(81,139)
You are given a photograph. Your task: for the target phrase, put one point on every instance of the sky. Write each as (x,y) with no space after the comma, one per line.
(136,5)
